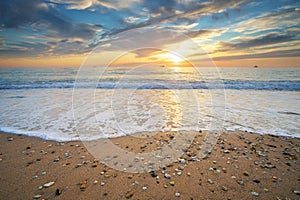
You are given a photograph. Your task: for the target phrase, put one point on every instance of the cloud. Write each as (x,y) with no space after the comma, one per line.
(273,54)
(130,19)
(17,13)
(268,39)
(86,4)
(270,21)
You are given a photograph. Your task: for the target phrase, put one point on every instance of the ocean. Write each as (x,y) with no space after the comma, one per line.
(66,104)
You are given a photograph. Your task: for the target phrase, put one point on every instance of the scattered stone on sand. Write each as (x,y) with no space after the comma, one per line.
(177,194)
(96,182)
(58,192)
(256,181)
(129,194)
(83,186)
(210,181)
(255,194)
(10,139)
(144,188)
(297,192)
(245,173)
(130,176)
(168,176)
(46,185)
(172,183)
(37,196)
(224,188)
(40,187)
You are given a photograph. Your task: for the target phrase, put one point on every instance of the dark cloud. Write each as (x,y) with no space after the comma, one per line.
(269,39)
(273,54)
(19,13)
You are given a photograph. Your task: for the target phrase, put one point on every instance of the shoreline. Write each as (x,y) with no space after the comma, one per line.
(240,166)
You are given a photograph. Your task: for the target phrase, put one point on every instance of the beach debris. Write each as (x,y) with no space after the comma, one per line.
(37,196)
(177,194)
(58,192)
(297,192)
(129,194)
(255,194)
(46,185)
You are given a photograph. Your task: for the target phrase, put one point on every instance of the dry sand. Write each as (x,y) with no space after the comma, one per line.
(240,166)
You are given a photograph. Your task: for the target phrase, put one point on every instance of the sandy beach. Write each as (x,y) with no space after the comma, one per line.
(240,166)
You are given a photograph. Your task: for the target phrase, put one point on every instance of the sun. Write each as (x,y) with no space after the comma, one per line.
(171,57)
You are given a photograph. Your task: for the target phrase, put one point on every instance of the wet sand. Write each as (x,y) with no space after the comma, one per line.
(240,166)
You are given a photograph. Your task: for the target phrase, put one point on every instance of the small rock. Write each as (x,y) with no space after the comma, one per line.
(168,176)
(189,174)
(94,164)
(144,188)
(172,183)
(130,176)
(210,181)
(214,162)
(96,182)
(129,194)
(224,188)
(40,187)
(58,192)
(256,181)
(10,139)
(46,185)
(297,192)
(153,174)
(102,183)
(255,194)
(83,186)
(177,194)
(226,151)
(245,173)
(37,196)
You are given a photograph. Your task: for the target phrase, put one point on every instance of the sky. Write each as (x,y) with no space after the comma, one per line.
(67,33)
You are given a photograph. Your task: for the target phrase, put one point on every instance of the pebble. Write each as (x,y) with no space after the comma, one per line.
(165,186)
(10,139)
(37,196)
(224,188)
(210,181)
(172,183)
(95,182)
(177,194)
(189,174)
(46,185)
(297,192)
(255,194)
(83,186)
(102,183)
(40,187)
(245,173)
(144,188)
(129,194)
(256,181)
(168,176)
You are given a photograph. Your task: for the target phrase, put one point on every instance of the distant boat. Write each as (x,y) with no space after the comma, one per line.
(255,66)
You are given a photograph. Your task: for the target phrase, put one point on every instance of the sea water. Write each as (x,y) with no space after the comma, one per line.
(65,104)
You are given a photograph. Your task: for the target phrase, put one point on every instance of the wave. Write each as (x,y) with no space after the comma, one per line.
(158,84)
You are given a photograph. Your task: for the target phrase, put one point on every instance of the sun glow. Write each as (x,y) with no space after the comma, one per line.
(170,57)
